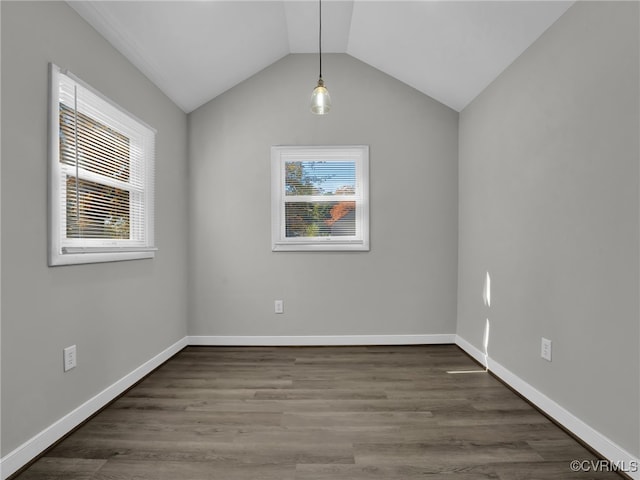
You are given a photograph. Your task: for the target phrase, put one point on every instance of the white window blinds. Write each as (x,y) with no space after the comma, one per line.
(102,177)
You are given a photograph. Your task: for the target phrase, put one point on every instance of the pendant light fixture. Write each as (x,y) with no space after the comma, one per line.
(320,99)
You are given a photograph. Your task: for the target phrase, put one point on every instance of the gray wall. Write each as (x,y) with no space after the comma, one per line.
(549,206)
(118,314)
(406,284)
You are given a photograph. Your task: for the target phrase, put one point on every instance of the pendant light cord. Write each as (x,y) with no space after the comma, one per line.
(320,36)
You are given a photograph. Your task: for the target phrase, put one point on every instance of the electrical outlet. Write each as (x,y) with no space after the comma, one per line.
(279,306)
(545,349)
(70,358)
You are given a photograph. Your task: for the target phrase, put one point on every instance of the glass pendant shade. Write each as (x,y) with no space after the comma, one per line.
(320,99)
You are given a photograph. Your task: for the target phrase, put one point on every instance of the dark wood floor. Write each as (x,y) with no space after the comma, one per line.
(343,413)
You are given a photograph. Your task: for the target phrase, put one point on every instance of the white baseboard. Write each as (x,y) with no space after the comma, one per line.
(319,340)
(33,447)
(471,350)
(600,443)
(19,457)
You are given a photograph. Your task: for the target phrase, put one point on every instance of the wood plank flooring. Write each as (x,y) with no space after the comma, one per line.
(325,413)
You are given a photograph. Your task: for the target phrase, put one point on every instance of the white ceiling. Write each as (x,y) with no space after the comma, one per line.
(196,50)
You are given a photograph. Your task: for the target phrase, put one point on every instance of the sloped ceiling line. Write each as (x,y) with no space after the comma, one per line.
(195,50)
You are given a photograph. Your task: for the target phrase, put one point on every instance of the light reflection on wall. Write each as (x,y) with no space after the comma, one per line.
(486,295)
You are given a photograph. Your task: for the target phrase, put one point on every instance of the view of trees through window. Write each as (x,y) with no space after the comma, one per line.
(96,211)
(320,198)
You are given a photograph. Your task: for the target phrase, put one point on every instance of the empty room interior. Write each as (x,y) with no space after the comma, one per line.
(435,275)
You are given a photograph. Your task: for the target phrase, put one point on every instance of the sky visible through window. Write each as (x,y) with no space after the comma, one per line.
(320,178)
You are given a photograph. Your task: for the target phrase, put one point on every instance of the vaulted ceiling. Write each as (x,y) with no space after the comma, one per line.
(196,50)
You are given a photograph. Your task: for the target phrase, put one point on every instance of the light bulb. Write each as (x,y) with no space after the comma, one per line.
(320,99)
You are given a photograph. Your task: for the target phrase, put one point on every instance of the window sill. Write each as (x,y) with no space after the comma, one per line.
(320,247)
(59,259)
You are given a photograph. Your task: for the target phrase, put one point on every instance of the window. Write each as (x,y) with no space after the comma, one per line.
(101,177)
(319,198)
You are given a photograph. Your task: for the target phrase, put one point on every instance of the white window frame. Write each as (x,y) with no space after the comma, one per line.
(280,155)
(140,245)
